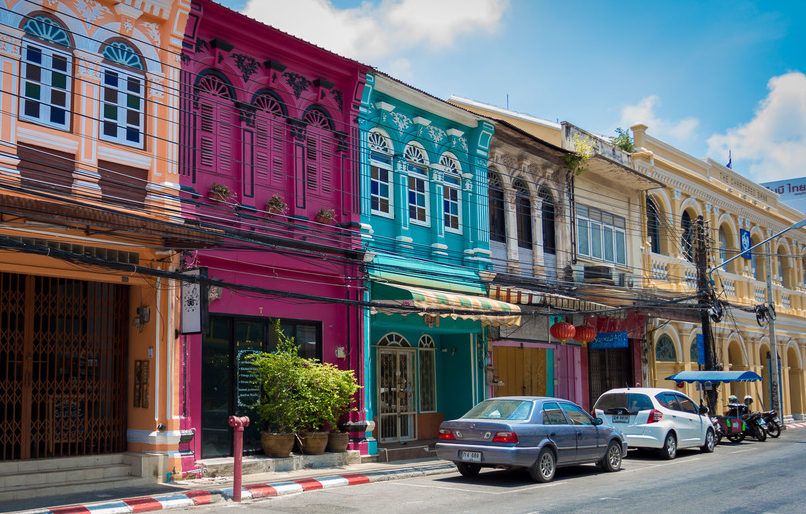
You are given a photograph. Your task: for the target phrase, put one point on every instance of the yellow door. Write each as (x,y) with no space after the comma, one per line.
(522,370)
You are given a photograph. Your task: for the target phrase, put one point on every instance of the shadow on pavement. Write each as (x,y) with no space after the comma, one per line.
(87,497)
(513,478)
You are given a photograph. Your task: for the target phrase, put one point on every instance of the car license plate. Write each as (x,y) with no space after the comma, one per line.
(620,418)
(470,456)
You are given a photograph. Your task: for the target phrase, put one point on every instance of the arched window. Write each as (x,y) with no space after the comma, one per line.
(123,95)
(756,260)
(723,246)
(380,169)
(270,138)
(523,212)
(783,269)
(417,167)
(664,349)
(548,220)
(427,374)
(46,73)
(319,145)
(687,236)
(451,193)
(803,268)
(217,128)
(495,196)
(653,225)
(393,339)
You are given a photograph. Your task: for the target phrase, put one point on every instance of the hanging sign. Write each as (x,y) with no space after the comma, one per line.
(744,240)
(610,340)
(191,305)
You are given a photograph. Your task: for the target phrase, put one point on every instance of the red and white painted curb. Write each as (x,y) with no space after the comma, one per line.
(800,424)
(249,491)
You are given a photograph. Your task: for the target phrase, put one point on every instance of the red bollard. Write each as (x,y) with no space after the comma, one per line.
(238,423)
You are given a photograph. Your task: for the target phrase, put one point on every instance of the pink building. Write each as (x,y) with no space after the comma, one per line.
(269,157)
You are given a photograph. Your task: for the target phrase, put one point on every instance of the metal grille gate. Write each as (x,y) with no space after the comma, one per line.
(62,367)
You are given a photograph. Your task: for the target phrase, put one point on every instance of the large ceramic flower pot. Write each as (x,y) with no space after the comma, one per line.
(313,443)
(337,441)
(277,445)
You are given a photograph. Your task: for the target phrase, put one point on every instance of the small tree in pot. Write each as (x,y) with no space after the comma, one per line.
(343,388)
(282,378)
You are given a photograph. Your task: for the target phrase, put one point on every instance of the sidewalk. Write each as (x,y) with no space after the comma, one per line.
(207,491)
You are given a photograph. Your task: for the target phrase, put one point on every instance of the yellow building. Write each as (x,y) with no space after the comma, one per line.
(730,205)
(88,175)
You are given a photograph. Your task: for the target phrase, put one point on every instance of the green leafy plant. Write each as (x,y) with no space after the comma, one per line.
(326,215)
(220,192)
(623,140)
(577,162)
(276,205)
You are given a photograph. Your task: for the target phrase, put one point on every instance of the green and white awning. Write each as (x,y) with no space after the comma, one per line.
(405,299)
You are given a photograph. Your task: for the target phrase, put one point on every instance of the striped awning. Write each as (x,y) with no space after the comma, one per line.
(522,296)
(431,302)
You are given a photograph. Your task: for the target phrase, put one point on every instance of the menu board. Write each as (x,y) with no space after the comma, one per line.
(247,383)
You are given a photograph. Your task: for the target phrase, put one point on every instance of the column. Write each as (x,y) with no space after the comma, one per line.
(512,230)
(438,246)
(403,239)
(538,261)
(86,116)
(9,103)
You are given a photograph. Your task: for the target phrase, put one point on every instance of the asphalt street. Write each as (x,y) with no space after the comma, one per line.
(746,477)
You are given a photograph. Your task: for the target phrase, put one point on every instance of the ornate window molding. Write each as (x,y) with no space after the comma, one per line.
(418,184)
(381,175)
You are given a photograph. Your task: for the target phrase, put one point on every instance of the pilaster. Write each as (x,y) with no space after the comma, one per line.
(85,122)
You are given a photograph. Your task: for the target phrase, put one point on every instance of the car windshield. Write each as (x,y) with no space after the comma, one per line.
(512,410)
(623,403)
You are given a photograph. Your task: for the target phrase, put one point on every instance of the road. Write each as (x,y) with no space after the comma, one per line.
(747,477)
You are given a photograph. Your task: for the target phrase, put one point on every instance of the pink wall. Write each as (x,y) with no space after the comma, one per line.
(303,148)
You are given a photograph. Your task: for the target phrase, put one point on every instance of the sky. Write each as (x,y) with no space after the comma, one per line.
(706,77)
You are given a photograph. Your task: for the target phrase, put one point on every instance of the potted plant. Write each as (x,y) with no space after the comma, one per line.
(313,408)
(344,387)
(220,192)
(282,378)
(326,216)
(276,205)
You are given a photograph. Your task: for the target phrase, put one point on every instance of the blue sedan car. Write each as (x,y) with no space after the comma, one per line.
(539,434)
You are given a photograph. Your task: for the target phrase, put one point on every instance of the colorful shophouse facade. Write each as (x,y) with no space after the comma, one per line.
(87,172)
(273,119)
(424,229)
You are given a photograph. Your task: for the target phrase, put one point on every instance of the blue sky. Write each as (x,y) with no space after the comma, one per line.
(705,76)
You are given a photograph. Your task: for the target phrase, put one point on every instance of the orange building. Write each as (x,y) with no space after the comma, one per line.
(89,356)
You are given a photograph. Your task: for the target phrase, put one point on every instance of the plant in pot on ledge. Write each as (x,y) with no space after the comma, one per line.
(341,396)
(276,205)
(220,193)
(281,375)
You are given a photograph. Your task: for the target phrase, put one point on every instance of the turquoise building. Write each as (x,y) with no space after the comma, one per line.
(425,230)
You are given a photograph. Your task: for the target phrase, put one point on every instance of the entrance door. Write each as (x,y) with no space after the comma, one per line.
(523,370)
(396,391)
(609,369)
(62,367)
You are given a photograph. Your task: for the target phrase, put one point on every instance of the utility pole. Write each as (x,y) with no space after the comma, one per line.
(704,301)
(775,388)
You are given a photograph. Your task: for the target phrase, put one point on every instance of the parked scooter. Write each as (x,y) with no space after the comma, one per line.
(754,424)
(773,428)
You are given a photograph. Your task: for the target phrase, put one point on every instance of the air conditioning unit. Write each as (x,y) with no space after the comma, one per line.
(624,279)
(599,275)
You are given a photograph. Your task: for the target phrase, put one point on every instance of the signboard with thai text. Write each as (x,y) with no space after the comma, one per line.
(609,340)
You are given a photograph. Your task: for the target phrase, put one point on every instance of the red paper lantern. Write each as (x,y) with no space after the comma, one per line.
(563,331)
(585,334)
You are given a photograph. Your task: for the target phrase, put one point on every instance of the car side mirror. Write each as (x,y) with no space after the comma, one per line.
(598,421)
(703,410)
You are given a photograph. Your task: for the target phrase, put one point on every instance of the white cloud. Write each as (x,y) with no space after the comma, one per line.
(645,112)
(772,145)
(380,32)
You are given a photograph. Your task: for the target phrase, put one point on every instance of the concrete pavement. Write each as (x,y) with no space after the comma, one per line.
(748,477)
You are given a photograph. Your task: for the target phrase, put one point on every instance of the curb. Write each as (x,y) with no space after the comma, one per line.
(248,492)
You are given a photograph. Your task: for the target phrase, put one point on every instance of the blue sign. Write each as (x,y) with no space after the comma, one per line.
(610,340)
(744,239)
(700,349)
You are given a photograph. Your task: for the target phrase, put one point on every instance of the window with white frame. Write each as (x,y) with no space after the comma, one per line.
(601,235)
(46,74)
(122,100)
(381,183)
(451,193)
(417,167)
(427,374)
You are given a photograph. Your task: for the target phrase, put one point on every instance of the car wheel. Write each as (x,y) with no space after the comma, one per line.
(669,450)
(545,466)
(710,442)
(612,458)
(468,470)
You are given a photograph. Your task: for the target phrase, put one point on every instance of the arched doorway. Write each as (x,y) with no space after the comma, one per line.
(397,409)
(737,362)
(687,236)
(795,382)
(765,389)
(653,225)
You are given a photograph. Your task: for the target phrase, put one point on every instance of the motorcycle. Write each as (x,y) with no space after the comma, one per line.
(773,428)
(753,424)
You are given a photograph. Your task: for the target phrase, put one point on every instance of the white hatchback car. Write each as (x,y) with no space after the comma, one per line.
(662,419)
